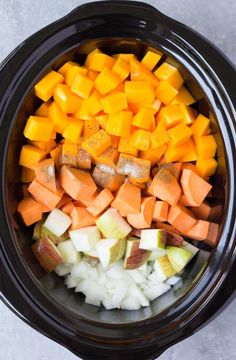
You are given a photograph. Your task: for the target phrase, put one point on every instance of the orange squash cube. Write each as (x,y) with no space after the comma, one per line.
(58,117)
(206,146)
(181,152)
(201,126)
(38,128)
(69,154)
(84,159)
(144,118)
(159,136)
(114,103)
(83,113)
(96,144)
(65,67)
(97,61)
(188,114)
(106,81)
(121,68)
(66,99)
(90,128)
(93,104)
(125,146)
(43,109)
(108,157)
(119,123)
(72,72)
(183,97)
(139,72)
(27,175)
(140,139)
(102,120)
(171,74)
(206,167)
(179,134)
(44,145)
(107,177)
(73,130)
(139,91)
(165,92)
(45,87)
(137,169)
(170,116)
(151,59)
(82,86)
(30,155)
(154,154)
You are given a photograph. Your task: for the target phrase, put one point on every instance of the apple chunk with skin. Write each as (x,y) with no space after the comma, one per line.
(109,251)
(179,257)
(68,252)
(84,239)
(163,268)
(153,239)
(134,256)
(112,225)
(47,254)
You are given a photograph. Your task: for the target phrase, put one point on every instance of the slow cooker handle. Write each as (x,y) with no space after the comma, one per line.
(107,7)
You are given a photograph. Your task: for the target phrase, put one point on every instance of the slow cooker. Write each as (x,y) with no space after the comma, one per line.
(42,301)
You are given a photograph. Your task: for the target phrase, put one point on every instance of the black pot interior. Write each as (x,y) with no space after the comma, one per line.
(53,284)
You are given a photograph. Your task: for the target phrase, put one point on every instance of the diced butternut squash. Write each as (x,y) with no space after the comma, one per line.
(201,126)
(90,128)
(114,103)
(43,109)
(107,177)
(194,187)
(30,155)
(58,117)
(27,175)
(82,86)
(45,87)
(139,91)
(151,59)
(56,155)
(106,81)
(73,130)
(102,120)
(92,74)
(154,154)
(97,61)
(124,56)
(83,113)
(38,128)
(44,145)
(64,200)
(181,153)
(183,97)
(30,210)
(206,146)
(206,167)
(160,136)
(68,208)
(202,212)
(179,134)
(72,72)
(81,218)
(77,183)
(84,159)
(121,68)
(192,153)
(165,92)
(45,174)
(143,219)
(97,143)
(128,199)
(144,118)
(160,212)
(139,72)
(119,123)
(93,104)
(44,195)
(165,187)
(126,146)
(137,169)
(171,74)
(140,139)
(170,116)
(188,114)
(65,67)
(68,101)
(69,154)
(181,218)
(101,202)
(109,157)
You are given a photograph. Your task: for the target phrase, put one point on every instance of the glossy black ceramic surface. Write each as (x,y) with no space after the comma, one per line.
(43,302)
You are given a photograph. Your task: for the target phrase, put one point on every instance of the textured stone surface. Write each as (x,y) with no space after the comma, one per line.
(215,19)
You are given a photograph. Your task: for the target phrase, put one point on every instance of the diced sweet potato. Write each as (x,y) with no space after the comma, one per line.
(181,218)
(68,208)
(30,210)
(81,218)
(45,174)
(212,236)
(165,187)
(44,195)
(77,183)
(194,187)
(128,199)
(160,211)
(107,177)
(137,169)
(143,219)
(101,202)
(199,231)
(202,212)
(173,168)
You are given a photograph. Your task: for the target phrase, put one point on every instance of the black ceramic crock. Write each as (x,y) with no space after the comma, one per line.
(42,301)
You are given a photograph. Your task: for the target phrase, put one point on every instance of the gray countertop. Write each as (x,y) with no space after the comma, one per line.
(214,19)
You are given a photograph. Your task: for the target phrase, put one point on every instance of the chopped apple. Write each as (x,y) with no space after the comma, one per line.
(55,239)
(84,239)
(47,254)
(92,253)
(179,257)
(57,222)
(37,231)
(121,253)
(135,256)
(112,225)
(156,254)
(163,268)
(108,250)
(153,239)
(68,252)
